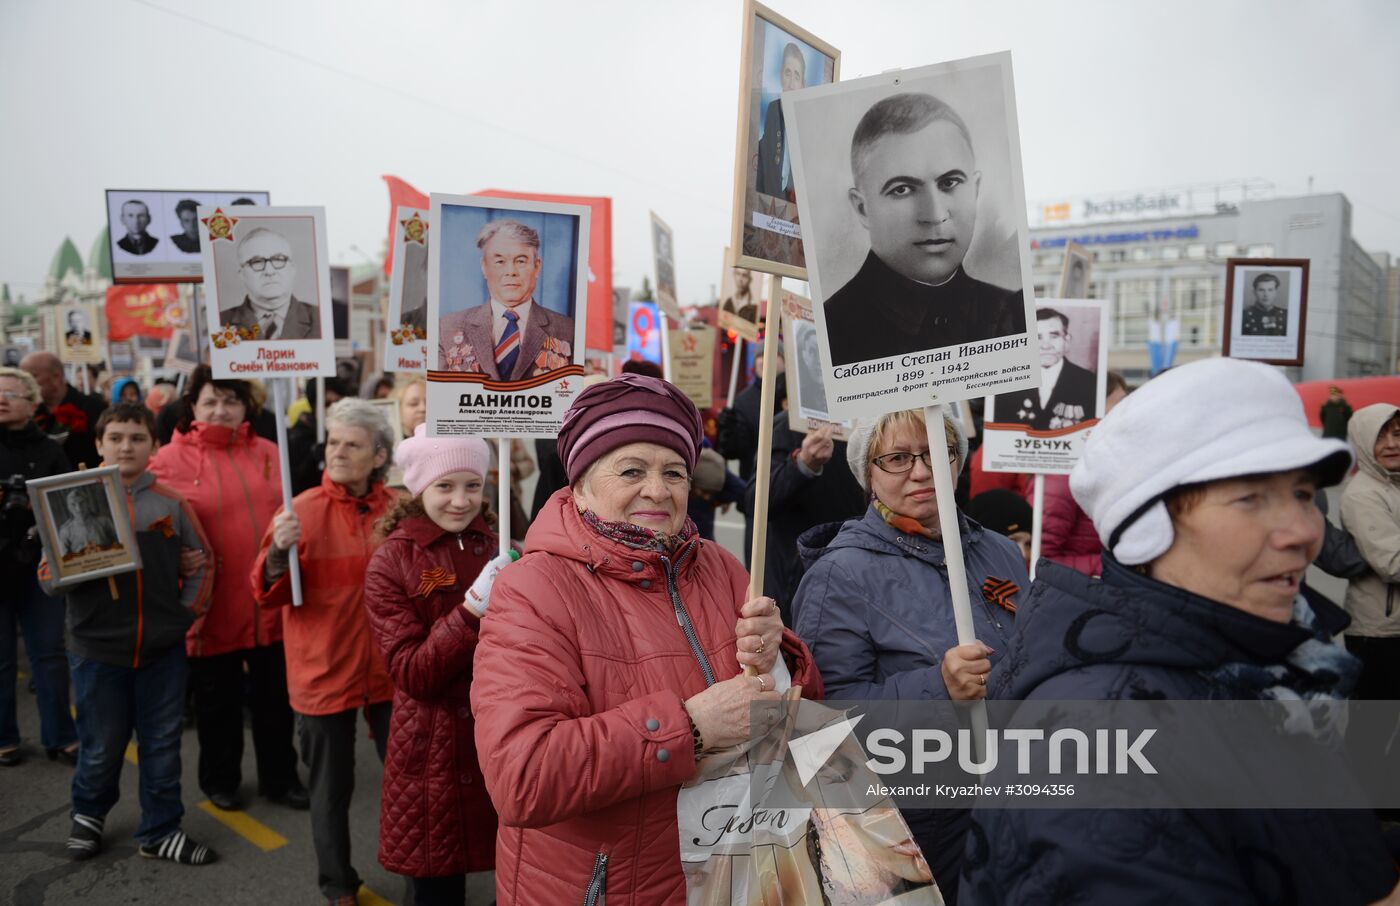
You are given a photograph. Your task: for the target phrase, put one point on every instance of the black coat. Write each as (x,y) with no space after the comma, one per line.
(25,454)
(880,314)
(1152,640)
(72,424)
(797,503)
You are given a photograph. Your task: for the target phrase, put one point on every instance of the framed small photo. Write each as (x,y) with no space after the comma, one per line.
(81,327)
(663,252)
(154,234)
(507,314)
(1074,278)
(1266,309)
(740,308)
(340,311)
(777,56)
(268,292)
(181,351)
(806,393)
(83,525)
(407,346)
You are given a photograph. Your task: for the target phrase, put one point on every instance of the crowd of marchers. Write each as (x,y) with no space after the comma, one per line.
(538,704)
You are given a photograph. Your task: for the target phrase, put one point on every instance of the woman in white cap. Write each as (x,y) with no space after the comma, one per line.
(875,607)
(1201,486)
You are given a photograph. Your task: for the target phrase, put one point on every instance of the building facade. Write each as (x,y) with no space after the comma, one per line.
(1173,263)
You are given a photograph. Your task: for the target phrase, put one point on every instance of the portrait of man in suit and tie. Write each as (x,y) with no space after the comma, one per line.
(268,269)
(511,335)
(136,217)
(1067,394)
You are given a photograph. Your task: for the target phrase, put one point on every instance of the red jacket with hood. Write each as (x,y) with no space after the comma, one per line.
(581,672)
(333,664)
(435,817)
(230,478)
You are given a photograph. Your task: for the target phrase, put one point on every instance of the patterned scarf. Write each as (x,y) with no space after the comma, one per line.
(638,537)
(904,523)
(1319,669)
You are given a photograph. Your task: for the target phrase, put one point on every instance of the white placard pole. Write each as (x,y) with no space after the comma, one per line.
(734,369)
(279,404)
(320,410)
(503,492)
(953,553)
(665,344)
(1037,520)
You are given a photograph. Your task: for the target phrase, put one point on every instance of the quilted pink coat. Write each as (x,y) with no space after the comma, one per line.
(435,816)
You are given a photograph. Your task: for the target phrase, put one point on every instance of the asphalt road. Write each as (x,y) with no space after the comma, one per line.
(265,853)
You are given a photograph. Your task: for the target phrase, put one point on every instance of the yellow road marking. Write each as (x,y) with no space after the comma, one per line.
(370,898)
(246,826)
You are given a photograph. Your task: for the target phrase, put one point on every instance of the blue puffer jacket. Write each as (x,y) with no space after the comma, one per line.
(875,611)
(1128,636)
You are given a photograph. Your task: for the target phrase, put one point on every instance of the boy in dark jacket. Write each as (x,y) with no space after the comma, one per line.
(127,654)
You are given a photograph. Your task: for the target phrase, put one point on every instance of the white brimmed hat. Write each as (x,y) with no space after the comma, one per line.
(1206,421)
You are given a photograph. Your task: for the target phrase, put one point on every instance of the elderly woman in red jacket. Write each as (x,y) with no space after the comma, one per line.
(334,669)
(611,658)
(436,824)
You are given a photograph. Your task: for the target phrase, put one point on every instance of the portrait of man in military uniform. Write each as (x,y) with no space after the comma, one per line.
(915,187)
(774,161)
(1067,394)
(1264,317)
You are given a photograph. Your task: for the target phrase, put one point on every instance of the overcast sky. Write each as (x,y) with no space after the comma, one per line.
(636,100)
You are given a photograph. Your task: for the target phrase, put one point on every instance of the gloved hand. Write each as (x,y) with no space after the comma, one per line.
(479,595)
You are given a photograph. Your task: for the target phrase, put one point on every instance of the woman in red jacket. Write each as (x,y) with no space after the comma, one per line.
(436,823)
(230,477)
(334,669)
(611,659)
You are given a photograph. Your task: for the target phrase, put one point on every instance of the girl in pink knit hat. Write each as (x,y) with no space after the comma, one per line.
(426,589)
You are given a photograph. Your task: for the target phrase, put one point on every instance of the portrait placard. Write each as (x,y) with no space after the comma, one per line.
(1043,429)
(807,407)
(621,307)
(340,311)
(154,234)
(1266,309)
(776,56)
(740,308)
(407,346)
(1074,277)
(507,311)
(916,257)
(83,525)
(693,363)
(268,296)
(663,253)
(82,342)
(644,333)
(389,408)
(181,352)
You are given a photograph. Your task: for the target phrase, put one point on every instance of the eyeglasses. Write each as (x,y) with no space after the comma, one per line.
(260,264)
(15,395)
(901,461)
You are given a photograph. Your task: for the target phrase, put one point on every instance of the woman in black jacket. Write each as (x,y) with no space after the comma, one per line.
(25,453)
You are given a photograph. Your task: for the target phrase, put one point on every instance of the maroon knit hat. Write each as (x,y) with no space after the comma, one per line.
(630,408)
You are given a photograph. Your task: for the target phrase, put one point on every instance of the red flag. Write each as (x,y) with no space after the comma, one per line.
(145,310)
(598,334)
(400,194)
